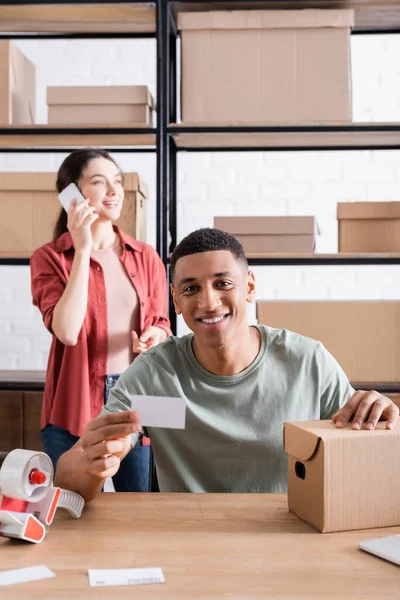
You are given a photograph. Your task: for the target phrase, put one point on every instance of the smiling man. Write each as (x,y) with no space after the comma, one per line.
(240,383)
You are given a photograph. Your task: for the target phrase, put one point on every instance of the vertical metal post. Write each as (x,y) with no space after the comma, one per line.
(166,151)
(162,26)
(162,151)
(172,150)
(172,218)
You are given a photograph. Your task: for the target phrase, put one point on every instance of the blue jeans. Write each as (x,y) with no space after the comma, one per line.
(133,474)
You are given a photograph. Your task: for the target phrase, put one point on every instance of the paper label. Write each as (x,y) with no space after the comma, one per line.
(106,577)
(25,575)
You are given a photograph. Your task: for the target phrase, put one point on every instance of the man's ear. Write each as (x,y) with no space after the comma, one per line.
(251,287)
(177,309)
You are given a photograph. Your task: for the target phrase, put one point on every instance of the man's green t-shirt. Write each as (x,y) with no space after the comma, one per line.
(233,438)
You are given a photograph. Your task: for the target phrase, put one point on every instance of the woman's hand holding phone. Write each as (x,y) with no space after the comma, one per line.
(81,216)
(80,219)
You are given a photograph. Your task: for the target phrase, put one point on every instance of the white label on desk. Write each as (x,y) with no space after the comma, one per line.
(104,577)
(26,574)
(159,411)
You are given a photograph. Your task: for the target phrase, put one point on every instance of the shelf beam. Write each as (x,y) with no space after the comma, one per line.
(341,259)
(370,15)
(44,136)
(282,260)
(355,136)
(79,18)
(383,388)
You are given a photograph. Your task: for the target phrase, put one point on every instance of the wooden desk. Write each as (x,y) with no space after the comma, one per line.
(210,546)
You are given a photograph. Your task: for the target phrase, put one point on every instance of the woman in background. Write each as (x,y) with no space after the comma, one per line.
(103,297)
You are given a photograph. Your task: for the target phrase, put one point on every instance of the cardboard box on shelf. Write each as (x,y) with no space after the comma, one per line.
(369,226)
(17,86)
(266,66)
(342,479)
(263,235)
(30,207)
(100,105)
(363,336)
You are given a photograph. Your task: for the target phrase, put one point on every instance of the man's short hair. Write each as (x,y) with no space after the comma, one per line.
(207,240)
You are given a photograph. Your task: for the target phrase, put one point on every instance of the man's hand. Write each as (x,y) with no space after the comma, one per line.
(150,337)
(106,441)
(368,408)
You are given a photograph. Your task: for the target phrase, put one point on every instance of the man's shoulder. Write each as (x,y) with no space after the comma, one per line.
(291,342)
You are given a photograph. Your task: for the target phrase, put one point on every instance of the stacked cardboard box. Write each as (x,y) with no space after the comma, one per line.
(263,235)
(369,226)
(266,66)
(363,336)
(100,105)
(341,479)
(17,86)
(30,208)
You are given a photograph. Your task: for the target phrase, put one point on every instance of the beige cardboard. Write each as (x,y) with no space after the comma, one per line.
(263,235)
(264,19)
(17,86)
(267,244)
(342,479)
(99,94)
(99,105)
(369,226)
(296,67)
(91,114)
(395,397)
(368,210)
(267,225)
(363,336)
(30,209)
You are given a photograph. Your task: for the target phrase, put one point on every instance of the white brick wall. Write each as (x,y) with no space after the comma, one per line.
(224,183)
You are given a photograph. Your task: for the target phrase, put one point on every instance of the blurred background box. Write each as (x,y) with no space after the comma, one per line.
(266,66)
(100,105)
(263,235)
(17,86)
(30,208)
(363,336)
(369,226)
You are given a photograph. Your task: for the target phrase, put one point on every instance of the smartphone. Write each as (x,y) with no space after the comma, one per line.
(68,194)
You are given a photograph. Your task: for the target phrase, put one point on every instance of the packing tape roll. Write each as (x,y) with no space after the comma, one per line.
(16,479)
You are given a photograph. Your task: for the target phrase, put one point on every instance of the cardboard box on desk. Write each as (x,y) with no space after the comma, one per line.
(17,86)
(30,208)
(369,226)
(343,479)
(363,336)
(395,397)
(266,66)
(100,105)
(263,235)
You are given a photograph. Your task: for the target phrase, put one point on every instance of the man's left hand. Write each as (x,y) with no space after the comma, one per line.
(368,408)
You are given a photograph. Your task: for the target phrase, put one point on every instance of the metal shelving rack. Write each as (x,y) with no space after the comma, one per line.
(385,18)
(371,17)
(158,20)
(167,139)
(73,19)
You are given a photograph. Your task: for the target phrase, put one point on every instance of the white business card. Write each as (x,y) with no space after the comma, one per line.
(110,577)
(25,575)
(160,411)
